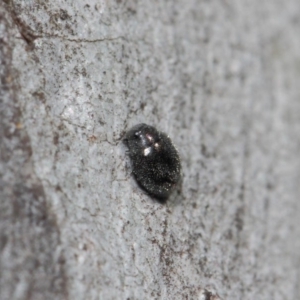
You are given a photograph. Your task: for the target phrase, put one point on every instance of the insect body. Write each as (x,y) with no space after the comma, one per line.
(155,160)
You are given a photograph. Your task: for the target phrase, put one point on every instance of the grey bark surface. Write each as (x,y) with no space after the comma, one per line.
(221,78)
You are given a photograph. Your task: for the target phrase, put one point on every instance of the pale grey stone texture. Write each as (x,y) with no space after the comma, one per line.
(221,78)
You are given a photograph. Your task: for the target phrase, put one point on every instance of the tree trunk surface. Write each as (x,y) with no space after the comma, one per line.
(221,78)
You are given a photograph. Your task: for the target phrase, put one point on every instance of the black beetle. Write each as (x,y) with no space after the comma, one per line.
(155,161)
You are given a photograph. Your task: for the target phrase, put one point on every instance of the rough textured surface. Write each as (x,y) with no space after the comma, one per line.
(221,77)
(31,258)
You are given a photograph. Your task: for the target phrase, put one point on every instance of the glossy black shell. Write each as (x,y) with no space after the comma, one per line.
(155,161)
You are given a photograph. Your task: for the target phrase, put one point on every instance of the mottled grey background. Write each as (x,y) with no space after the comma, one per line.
(221,78)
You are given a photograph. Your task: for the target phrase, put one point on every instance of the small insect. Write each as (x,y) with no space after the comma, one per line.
(154,159)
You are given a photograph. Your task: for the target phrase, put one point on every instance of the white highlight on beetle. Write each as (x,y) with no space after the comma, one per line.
(147,151)
(149,137)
